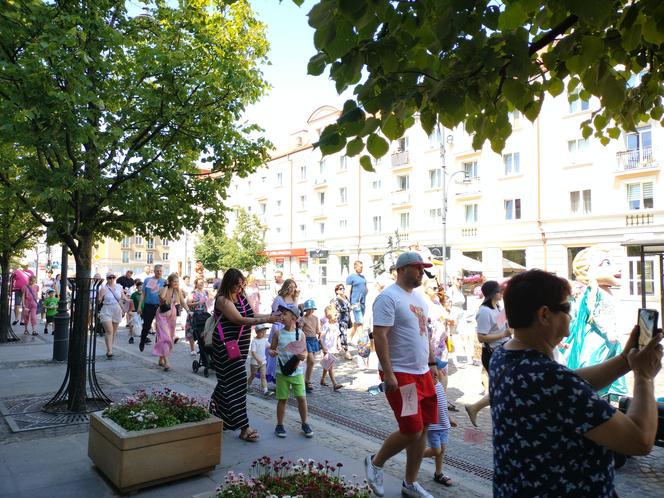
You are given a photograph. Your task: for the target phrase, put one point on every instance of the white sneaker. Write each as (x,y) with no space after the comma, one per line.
(193,353)
(374,476)
(414,490)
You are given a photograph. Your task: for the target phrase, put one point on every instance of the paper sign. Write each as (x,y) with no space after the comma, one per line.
(473,436)
(328,361)
(409,403)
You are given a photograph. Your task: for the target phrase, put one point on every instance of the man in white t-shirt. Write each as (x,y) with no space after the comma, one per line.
(407,366)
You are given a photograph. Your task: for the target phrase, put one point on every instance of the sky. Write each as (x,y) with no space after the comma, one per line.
(294,94)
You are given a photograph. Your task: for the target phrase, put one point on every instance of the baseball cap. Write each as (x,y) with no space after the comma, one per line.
(290,307)
(50,290)
(411,258)
(110,274)
(263,326)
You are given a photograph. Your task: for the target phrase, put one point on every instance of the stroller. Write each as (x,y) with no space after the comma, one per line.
(197,325)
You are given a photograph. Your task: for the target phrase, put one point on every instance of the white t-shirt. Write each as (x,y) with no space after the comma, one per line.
(406,313)
(258,346)
(112,294)
(491,321)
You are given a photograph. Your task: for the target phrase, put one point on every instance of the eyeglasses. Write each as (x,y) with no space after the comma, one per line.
(564,307)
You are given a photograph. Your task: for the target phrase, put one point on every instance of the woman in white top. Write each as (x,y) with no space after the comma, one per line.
(111,297)
(492,332)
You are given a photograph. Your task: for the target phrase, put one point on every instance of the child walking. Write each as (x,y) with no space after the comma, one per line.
(311,329)
(30,301)
(289,346)
(134,321)
(51,308)
(257,355)
(438,434)
(328,341)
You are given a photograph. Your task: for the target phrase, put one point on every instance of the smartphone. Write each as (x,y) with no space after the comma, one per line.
(647,325)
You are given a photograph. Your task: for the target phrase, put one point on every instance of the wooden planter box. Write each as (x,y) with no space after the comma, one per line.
(136,459)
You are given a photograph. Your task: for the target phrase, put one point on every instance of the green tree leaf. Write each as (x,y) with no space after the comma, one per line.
(377,145)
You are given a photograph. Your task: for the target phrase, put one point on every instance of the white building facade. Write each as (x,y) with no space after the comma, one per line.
(548,195)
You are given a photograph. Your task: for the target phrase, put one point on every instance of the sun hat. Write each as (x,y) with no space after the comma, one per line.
(110,274)
(410,259)
(290,307)
(309,304)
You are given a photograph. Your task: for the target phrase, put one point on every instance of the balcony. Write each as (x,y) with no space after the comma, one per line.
(635,160)
(635,220)
(320,182)
(469,232)
(400,198)
(400,159)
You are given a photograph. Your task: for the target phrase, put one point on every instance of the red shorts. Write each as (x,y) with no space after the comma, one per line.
(427,410)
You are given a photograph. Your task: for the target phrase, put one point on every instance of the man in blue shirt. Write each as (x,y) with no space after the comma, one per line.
(358,294)
(149,303)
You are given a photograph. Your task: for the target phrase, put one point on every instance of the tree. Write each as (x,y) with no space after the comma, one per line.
(474,61)
(116,113)
(18,232)
(245,250)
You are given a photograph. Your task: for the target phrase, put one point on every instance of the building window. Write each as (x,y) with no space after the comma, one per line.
(343,195)
(321,198)
(435,138)
(303,173)
(303,230)
(436,215)
(578,146)
(514,261)
(303,202)
(402,144)
(125,256)
(278,205)
(577,105)
(571,254)
(343,163)
(164,256)
(640,195)
(435,177)
(262,207)
(512,163)
(138,255)
(138,240)
(321,228)
(150,258)
(150,243)
(376,184)
(403,182)
(580,202)
(513,209)
(634,267)
(404,221)
(278,230)
(164,242)
(344,263)
(515,118)
(126,242)
(470,170)
(343,224)
(280,179)
(471,213)
(321,167)
(377,224)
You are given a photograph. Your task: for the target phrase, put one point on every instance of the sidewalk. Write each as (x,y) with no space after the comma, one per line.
(53,461)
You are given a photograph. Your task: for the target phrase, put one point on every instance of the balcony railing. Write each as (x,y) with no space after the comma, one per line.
(320,181)
(469,232)
(400,159)
(635,159)
(400,197)
(632,220)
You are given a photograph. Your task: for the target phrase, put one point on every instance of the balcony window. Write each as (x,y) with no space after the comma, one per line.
(470,211)
(376,184)
(377,224)
(580,202)
(150,258)
(164,256)
(640,195)
(639,149)
(578,104)
(164,242)
(402,145)
(512,163)
(126,242)
(512,209)
(262,208)
(470,170)
(403,182)
(435,177)
(404,221)
(321,198)
(138,255)
(343,195)
(138,240)
(150,243)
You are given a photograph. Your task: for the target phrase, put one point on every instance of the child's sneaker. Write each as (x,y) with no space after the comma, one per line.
(131,340)
(306,430)
(279,431)
(45,330)
(414,490)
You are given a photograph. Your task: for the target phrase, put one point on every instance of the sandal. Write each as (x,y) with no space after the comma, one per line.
(336,387)
(308,387)
(109,355)
(250,435)
(34,333)
(323,383)
(442,479)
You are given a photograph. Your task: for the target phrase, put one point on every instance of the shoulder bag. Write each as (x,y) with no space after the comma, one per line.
(232,345)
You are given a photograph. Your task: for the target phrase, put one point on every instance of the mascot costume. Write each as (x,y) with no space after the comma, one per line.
(594,335)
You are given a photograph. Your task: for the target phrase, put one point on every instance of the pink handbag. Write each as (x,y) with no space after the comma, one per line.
(232,345)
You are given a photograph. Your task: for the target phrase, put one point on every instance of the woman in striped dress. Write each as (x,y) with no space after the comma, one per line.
(229,399)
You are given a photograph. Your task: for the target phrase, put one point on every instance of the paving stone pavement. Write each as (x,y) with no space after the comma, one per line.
(346,422)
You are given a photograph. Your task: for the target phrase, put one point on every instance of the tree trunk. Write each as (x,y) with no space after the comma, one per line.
(5,312)
(78,335)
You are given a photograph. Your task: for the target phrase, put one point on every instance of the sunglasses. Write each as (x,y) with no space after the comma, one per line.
(564,307)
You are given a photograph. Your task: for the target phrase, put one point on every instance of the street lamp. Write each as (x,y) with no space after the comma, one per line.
(445,188)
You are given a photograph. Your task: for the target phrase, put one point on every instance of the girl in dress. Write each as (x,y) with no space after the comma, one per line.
(30,301)
(328,339)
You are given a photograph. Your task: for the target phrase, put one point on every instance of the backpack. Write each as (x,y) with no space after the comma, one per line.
(208,330)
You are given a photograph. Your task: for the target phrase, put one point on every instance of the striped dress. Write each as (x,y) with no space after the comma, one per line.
(229,399)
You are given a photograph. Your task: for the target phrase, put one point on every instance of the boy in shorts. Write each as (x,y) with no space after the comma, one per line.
(287,344)
(51,307)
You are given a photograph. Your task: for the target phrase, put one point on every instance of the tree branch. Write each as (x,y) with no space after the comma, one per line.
(551,35)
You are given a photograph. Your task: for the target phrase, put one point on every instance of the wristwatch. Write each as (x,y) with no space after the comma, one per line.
(432,364)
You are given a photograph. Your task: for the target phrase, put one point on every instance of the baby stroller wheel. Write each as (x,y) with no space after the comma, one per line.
(206,372)
(195,366)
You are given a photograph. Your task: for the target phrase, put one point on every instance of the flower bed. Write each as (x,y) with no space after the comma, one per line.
(151,411)
(283,478)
